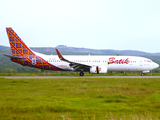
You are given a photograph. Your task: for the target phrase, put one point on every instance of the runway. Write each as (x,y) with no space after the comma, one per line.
(38,77)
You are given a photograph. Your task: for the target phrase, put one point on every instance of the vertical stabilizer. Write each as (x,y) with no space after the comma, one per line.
(18,47)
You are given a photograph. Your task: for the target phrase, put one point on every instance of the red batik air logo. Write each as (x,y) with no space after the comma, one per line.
(113,60)
(62,65)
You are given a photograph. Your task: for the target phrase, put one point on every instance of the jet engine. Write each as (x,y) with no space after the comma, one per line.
(98,70)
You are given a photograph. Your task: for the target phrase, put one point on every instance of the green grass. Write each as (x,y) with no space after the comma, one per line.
(60,73)
(80,98)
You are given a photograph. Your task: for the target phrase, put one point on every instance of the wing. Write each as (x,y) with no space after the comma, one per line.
(14,57)
(74,65)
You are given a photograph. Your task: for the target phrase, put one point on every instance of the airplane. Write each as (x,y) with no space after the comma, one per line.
(94,64)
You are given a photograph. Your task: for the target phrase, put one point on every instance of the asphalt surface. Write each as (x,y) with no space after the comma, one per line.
(32,77)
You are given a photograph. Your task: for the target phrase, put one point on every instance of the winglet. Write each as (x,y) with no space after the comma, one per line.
(77,64)
(60,55)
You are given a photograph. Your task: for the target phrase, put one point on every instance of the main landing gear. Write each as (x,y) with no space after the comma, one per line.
(81,73)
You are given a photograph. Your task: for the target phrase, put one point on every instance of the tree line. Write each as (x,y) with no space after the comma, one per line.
(6,65)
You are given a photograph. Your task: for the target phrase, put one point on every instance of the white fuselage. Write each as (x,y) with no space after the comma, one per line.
(113,63)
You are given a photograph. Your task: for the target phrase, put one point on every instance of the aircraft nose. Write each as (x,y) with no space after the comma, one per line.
(155,65)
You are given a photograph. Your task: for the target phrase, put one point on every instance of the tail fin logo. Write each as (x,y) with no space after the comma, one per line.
(18,47)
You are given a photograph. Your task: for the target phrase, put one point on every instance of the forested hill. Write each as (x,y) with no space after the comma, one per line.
(73,50)
(3,47)
(81,51)
(7,65)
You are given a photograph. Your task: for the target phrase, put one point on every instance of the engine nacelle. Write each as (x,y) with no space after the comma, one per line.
(98,70)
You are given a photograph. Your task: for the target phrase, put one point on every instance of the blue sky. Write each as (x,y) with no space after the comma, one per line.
(95,24)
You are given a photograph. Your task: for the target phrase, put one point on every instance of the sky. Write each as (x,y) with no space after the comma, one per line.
(94,24)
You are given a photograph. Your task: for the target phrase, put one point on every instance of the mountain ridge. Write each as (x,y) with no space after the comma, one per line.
(8,66)
(74,50)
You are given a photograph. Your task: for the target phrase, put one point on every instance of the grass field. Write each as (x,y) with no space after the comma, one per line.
(61,73)
(80,98)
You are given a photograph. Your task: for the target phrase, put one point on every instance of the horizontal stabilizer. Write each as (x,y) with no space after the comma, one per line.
(10,56)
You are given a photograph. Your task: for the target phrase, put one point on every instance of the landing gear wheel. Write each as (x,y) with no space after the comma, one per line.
(81,74)
(142,74)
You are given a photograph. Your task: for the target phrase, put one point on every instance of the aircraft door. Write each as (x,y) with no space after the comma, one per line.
(33,61)
(141,63)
